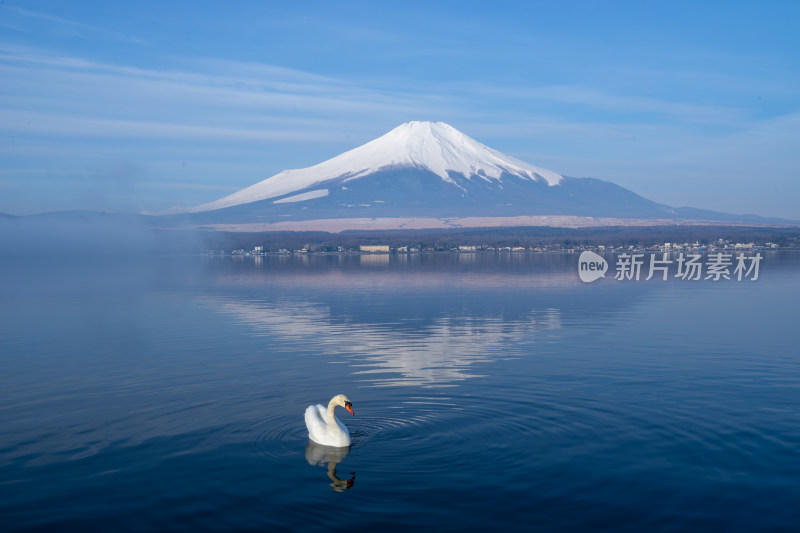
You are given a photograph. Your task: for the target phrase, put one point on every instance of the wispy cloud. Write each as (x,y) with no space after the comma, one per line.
(232,100)
(237,100)
(78,126)
(80,29)
(626,104)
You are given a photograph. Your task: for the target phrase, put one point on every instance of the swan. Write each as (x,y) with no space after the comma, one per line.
(323,426)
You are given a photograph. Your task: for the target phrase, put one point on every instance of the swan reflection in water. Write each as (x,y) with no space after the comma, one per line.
(317,454)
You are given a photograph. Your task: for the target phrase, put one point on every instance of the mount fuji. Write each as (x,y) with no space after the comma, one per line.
(431,170)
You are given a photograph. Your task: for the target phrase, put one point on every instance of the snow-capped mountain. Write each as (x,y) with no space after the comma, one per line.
(427,169)
(435,147)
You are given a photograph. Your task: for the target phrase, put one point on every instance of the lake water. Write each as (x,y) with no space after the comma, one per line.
(491,392)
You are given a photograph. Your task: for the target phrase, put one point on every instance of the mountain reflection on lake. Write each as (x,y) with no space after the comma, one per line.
(437,354)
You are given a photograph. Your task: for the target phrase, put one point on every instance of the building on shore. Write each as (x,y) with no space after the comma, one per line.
(374,248)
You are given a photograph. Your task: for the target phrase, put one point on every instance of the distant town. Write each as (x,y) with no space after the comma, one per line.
(720,245)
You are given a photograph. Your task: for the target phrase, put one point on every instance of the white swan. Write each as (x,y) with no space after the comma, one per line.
(323,426)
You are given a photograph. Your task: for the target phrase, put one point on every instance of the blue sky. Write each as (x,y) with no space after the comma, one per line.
(146,105)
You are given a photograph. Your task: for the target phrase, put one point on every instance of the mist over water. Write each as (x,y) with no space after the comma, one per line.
(490,391)
(93,234)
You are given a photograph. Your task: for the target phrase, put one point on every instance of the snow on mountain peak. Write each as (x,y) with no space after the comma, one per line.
(440,147)
(435,146)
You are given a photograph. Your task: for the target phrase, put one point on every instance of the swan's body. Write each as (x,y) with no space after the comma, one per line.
(323,426)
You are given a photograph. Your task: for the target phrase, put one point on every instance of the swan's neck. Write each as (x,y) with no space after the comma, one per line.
(331,417)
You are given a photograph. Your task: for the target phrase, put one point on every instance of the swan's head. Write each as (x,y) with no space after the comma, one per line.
(344,402)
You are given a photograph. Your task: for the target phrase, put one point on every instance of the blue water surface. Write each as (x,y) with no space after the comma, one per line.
(491,392)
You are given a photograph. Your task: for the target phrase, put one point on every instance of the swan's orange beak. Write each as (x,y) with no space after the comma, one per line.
(349,407)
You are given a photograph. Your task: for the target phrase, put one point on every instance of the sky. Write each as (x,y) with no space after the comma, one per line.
(141,106)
